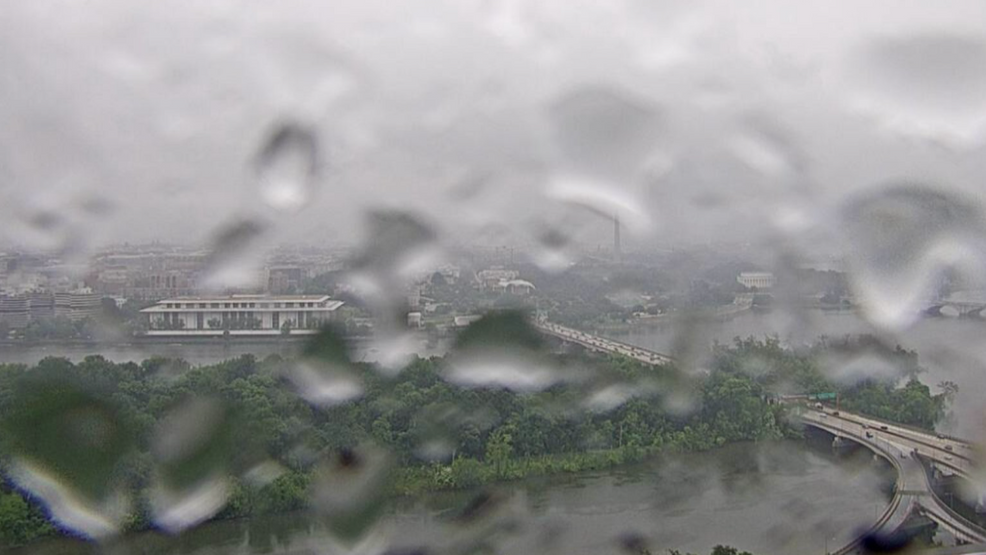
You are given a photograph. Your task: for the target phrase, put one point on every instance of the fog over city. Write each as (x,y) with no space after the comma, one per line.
(492,276)
(493,120)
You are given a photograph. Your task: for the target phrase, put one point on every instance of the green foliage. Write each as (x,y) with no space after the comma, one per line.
(490,434)
(20,522)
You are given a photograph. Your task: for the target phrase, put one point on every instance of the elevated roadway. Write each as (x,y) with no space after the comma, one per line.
(913,492)
(601,344)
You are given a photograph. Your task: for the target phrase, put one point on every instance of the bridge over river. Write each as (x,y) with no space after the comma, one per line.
(601,344)
(907,450)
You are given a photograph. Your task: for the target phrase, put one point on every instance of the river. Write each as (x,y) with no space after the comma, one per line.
(770,498)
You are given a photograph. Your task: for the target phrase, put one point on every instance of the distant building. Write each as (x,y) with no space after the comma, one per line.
(240,315)
(77,305)
(757,280)
(518,287)
(19,310)
(491,278)
(14,310)
(414,319)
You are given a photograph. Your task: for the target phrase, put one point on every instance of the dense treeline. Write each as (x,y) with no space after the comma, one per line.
(866,374)
(439,435)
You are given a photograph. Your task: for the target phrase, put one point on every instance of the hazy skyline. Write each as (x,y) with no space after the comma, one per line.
(506,120)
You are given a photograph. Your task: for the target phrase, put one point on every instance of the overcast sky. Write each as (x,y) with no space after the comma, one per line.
(502,121)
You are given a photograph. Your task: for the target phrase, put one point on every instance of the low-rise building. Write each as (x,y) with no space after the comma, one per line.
(757,280)
(490,278)
(77,305)
(14,310)
(240,315)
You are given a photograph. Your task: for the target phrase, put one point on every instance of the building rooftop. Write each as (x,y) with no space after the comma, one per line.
(240,298)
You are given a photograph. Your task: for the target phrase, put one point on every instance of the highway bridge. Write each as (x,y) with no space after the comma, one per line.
(601,344)
(913,492)
(901,446)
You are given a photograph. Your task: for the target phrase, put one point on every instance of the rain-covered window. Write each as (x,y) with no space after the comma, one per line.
(492,276)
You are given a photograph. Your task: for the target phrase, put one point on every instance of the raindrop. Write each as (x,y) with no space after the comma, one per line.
(482,506)
(287,167)
(552,251)
(470,187)
(67,445)
(605,201)
(501,350)
(396,243)
(901,240)
(633,543)
(264,473)
(350,490)
(399,251)
(605,133)
(97,206)
(323,375)
(864,358)
(46,220)
(609,397)
(763,147)
(233,258)
(193,447)
(324,385)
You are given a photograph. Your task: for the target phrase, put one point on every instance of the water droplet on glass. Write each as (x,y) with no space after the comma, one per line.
(552,251)
(97,206)
(609,397)
(66,446)
(603,200)
(323,374)
(324,385)
(605,133)
(396,243)
(264,473)
(852,360)
(501,350)
(765,149)
(234,258)
(287,168)
(350,490)
(901,240)
(192,447)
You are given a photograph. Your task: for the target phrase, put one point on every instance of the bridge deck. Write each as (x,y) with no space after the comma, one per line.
(602,344)
(899,446)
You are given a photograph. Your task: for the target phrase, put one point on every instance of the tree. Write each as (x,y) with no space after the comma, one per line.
(19,522)
(498,450)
